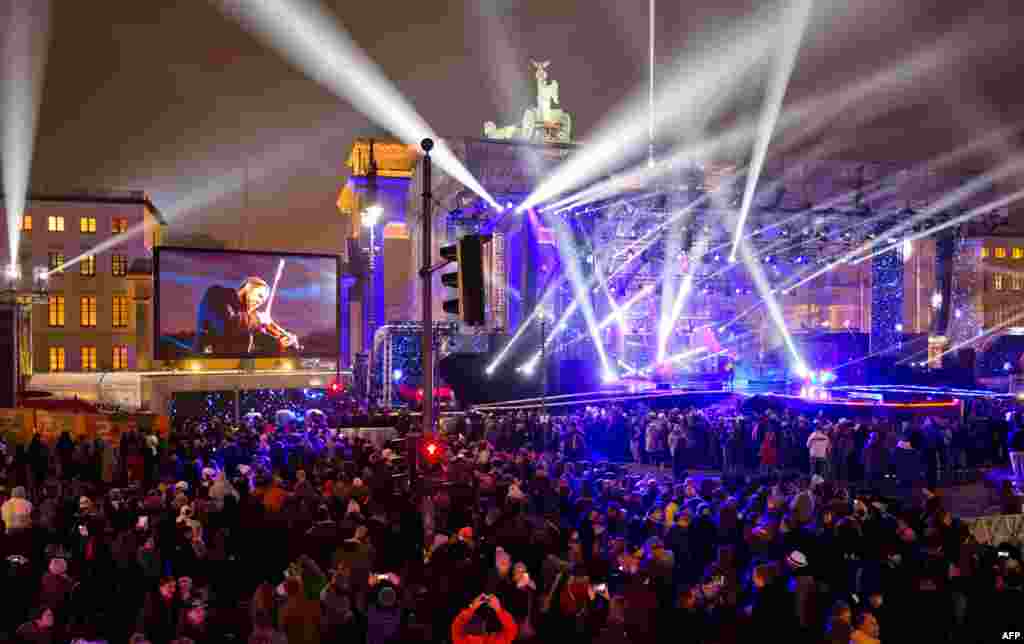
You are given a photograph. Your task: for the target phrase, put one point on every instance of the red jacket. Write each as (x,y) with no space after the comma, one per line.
(508,633)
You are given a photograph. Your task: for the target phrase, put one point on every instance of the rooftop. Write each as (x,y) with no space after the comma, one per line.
(101,196)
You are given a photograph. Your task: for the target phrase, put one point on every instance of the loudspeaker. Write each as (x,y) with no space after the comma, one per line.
(8,356)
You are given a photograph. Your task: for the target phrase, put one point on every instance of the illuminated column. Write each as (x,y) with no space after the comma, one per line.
(346,282)
(965,294)
(886,301)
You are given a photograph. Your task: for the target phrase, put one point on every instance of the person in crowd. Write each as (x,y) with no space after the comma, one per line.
(192,623)
(619,551)
(484,621)
(40,629)
(299,617)
(17,511)
(819,445)
(158,619)
(866,629)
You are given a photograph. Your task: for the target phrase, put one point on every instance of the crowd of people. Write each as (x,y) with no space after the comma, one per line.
(734,440)
(525,527)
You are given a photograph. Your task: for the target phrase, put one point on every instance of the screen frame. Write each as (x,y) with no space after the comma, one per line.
(157,350)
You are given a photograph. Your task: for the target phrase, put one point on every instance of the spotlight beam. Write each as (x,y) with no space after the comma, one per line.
(792,32)
(24,52)
(315,42)
(580,289)
(955,221)
(696,91)
(809,117)
(998,327)
(960,194)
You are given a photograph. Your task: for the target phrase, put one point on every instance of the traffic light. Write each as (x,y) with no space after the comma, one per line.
(432,450)
(468,280)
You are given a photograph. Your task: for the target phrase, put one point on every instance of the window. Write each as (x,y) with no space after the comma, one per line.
(997,281)
(1018,282)
(1000,253)
(55,223)
(120,357)
(88,310)
(119,265)
(26,223)
(119,225)
(55,307)
(87,225)
(56,358)
(88,266)
(88,358)
(120,311)
(1018,253)
(984,251)
(56,260)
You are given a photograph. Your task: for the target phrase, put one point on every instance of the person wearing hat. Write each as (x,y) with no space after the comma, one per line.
(802,585)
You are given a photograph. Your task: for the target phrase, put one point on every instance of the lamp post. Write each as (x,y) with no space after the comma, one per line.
(370,216)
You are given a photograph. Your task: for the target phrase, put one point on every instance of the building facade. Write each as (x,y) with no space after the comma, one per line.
(95,250)
(1000,282)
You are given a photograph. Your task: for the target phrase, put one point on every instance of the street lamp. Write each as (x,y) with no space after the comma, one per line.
(370,216)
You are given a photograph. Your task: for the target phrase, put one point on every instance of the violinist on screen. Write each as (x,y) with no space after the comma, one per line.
(230,322)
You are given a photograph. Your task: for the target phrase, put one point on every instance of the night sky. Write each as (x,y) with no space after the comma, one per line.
(176,99)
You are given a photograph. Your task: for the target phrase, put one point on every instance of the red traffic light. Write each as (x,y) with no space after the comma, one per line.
(432,450)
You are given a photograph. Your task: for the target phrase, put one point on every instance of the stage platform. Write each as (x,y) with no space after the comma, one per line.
(904,405)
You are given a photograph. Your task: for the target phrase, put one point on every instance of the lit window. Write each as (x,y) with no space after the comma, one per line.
(87,225)
(87,266)
(119,225)
(57,358)
(1018,253)
(120,357)
(88,358)
(26,223)
(1018,282)
(1000,253)
(997,281)
(984,251)
(55,223)
(120,310)
(119,265)
(88,310)
(55,308)
(56,260)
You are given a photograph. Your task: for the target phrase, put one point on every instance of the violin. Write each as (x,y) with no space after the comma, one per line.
(284,337)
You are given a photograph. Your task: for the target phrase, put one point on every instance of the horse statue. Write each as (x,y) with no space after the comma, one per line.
(542,123)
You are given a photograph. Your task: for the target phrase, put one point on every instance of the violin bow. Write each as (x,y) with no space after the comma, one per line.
(273,289)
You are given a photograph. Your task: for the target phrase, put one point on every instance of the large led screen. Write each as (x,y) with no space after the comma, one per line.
(242,304)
